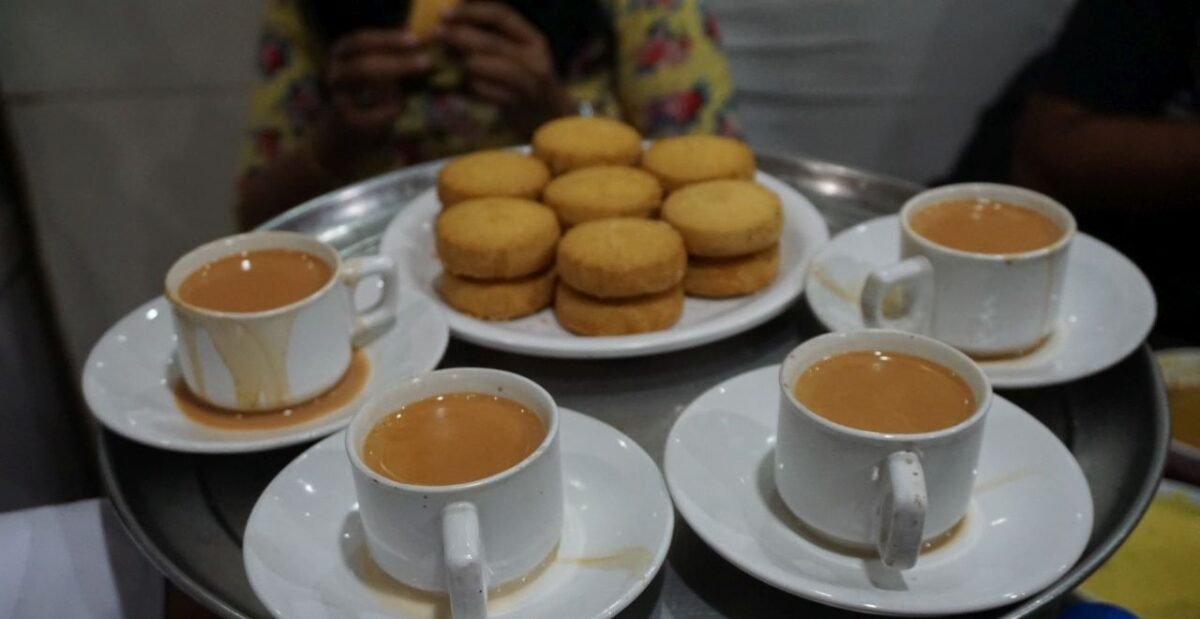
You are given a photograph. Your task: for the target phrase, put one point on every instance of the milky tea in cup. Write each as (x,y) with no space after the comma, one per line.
(452,439)
(458,475)
(986,226)
(878,439)
(885,391)
(255,281)
(982,268)
(266,320)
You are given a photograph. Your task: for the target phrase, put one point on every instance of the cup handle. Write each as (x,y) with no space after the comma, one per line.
(913,277)
(383,312)
(466,579)
(900,511)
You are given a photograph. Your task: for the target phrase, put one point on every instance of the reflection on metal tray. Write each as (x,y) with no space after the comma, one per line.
(187,512)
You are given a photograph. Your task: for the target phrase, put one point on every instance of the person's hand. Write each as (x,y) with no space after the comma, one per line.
(364,81)
(508,62)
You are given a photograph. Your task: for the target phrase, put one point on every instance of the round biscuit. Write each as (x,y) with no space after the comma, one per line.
(496,238)
(585,315)
(621,257)
(720,278)
(581,141)
(602,192)
(725,218)
(492,173)
(687,159)
(497,299)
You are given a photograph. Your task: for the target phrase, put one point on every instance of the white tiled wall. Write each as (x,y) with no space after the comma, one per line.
(126,116)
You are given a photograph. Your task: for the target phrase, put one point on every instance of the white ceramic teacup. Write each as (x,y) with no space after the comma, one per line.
(275,358)
(983,304)
(881,492)
(462,539)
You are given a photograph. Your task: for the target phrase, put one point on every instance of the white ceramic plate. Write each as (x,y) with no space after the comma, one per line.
(1108,306)
(1029,521)
(306,557)
(127,379)
(409,240)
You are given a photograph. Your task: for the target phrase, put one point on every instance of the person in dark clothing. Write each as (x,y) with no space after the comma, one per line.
(1106,122)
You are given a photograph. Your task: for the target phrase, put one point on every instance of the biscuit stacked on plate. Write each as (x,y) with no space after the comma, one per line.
(730,224)
(620,276)
(498,256)
(731,229)
(618,269)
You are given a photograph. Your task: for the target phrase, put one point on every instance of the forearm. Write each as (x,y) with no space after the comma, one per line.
(1107,161)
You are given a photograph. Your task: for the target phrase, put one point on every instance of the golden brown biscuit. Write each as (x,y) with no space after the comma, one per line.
(498,299)
(582,141)
(602,192)
(491,173)
(496,238)
(585,315)
(725,218)
(719,278)
(691,159)
(624,257)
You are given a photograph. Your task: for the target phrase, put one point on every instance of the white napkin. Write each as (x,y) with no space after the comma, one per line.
(74,561)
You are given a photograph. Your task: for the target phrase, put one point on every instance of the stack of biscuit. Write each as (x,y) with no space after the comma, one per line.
(620,276)
(497,256)
(731,229)
(617,269)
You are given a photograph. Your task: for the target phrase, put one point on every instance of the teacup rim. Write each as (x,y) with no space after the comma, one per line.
(933,194)
(356,458)
(171,294)
(982,404)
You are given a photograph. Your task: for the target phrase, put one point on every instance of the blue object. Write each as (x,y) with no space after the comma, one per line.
(1096,610)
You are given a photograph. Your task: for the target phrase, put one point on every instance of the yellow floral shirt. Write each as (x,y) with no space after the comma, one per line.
(667,75)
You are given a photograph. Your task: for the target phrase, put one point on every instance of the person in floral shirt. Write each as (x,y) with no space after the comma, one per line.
(334,107)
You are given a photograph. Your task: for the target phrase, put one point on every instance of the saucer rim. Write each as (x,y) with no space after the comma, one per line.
(1013,375)
(88,380)
(691,513)
(637,584)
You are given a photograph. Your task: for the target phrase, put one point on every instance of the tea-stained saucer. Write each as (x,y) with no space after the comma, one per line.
(1029,521)
(129,376)
(306,556)
(1108,306)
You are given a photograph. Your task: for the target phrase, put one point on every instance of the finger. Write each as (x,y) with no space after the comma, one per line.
(494,92)
(373,41)
(377,68)
(473,40)
(503,71)
(497,16)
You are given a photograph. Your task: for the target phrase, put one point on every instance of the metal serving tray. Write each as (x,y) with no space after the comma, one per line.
(188,512)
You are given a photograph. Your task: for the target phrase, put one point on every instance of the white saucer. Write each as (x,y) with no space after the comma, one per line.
(1108,306)
(409,240)
(1029,521)
(306,557)
(127,381)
